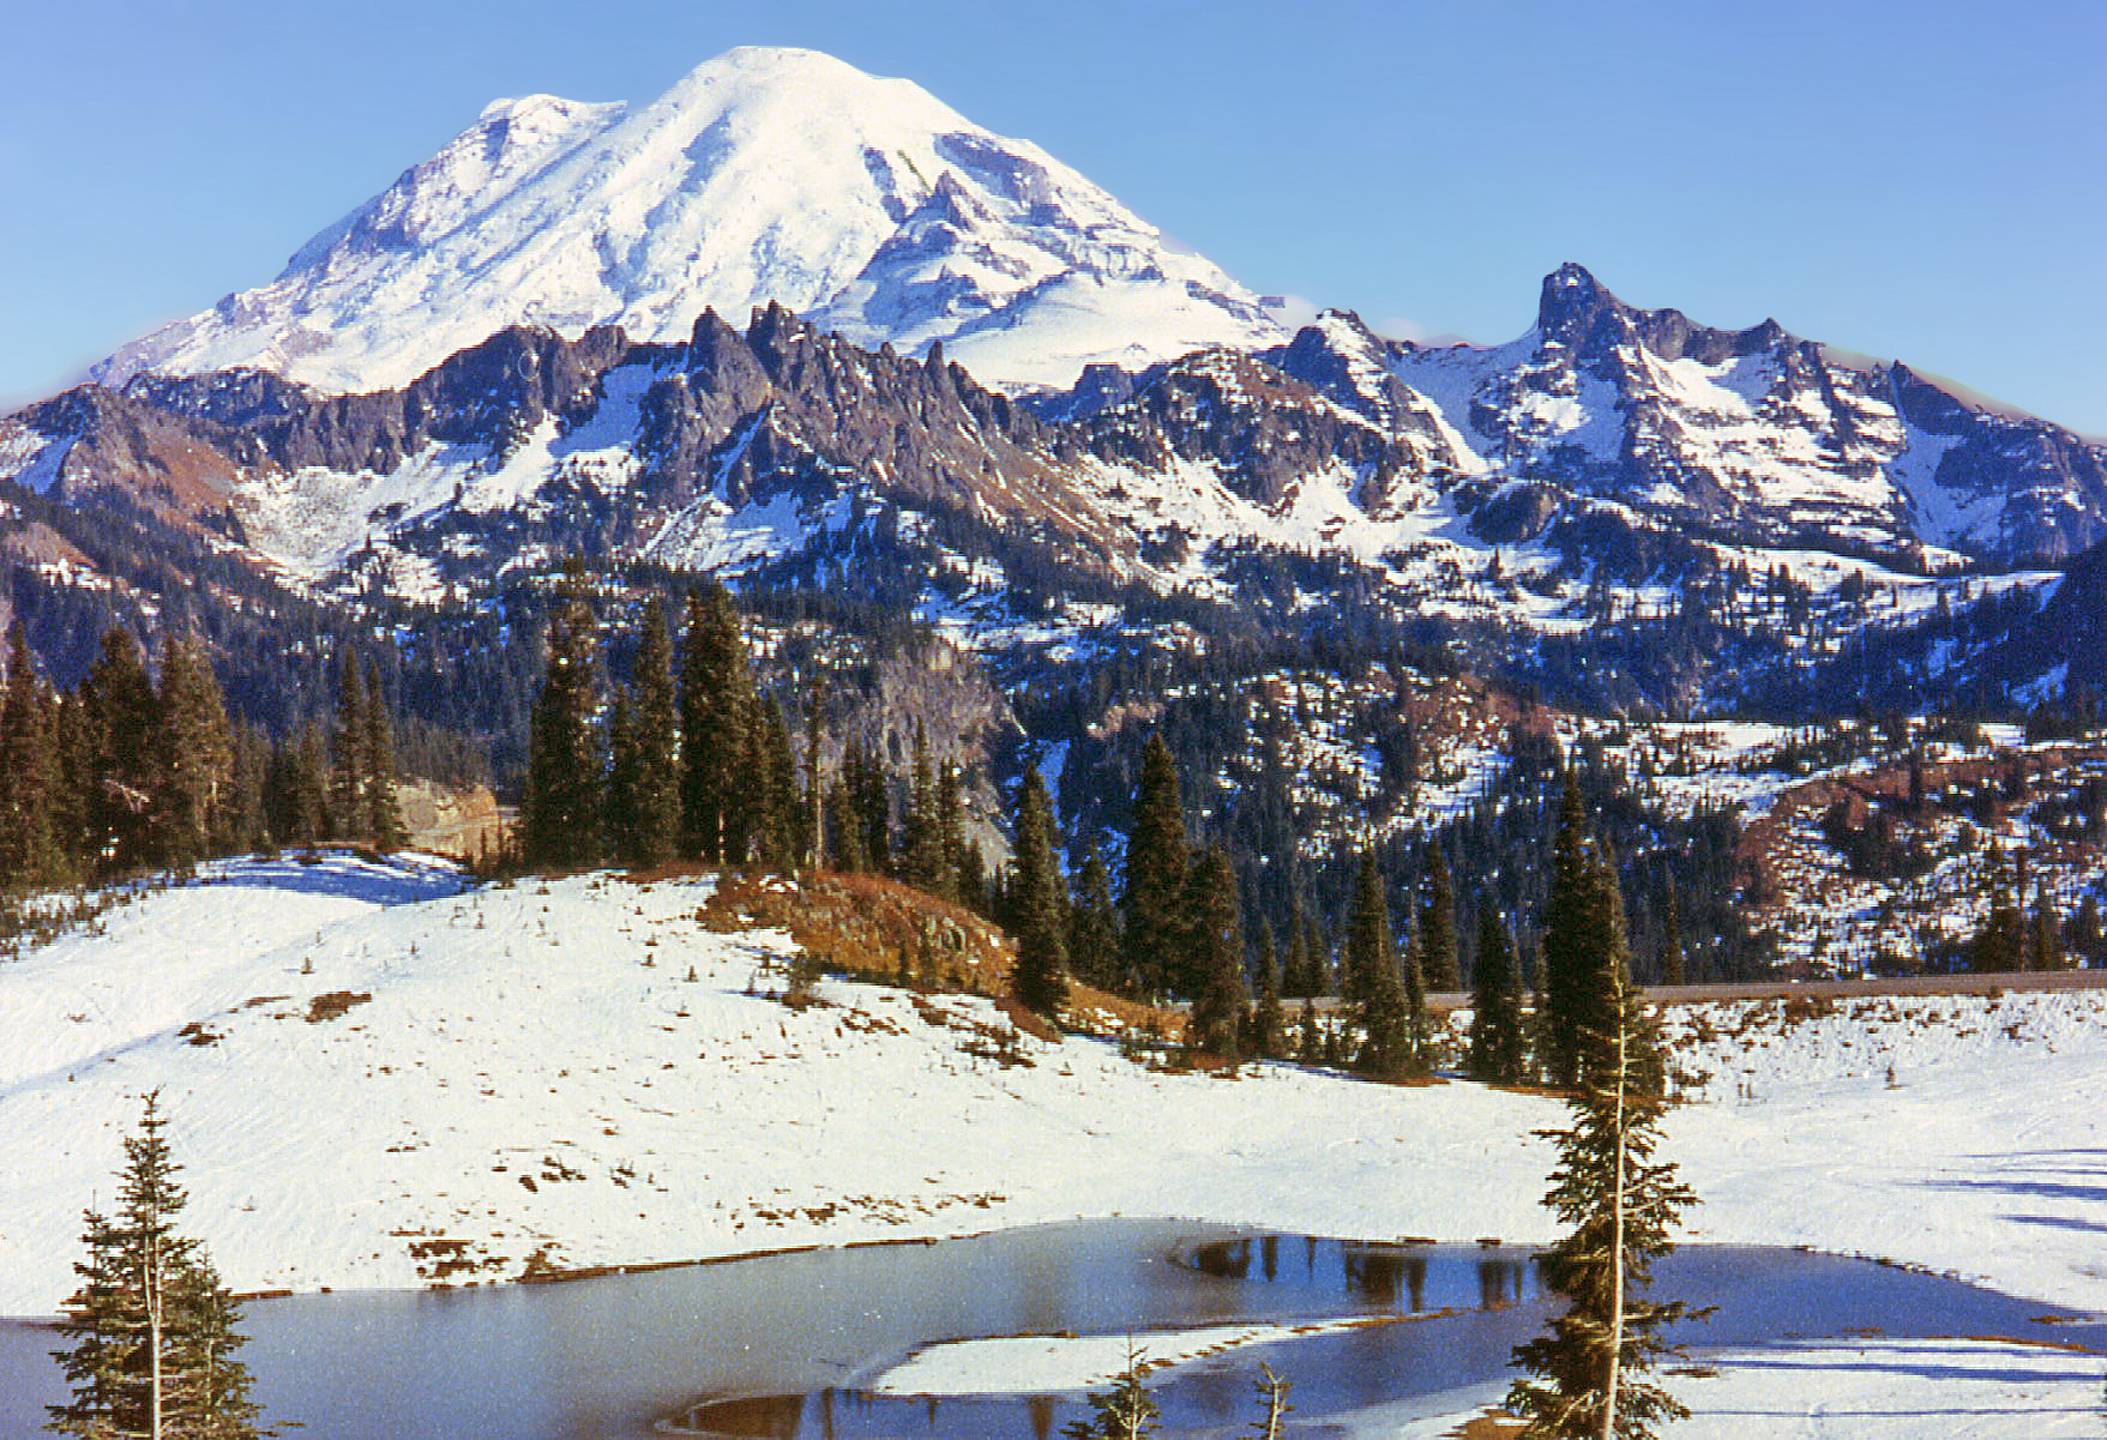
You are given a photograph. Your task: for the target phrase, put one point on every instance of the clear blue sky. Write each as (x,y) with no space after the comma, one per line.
(1922,180)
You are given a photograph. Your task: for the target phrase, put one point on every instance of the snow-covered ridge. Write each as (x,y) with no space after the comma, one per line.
(763,175)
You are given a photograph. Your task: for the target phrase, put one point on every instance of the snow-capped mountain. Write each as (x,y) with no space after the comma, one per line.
(765,175)
(1760,436)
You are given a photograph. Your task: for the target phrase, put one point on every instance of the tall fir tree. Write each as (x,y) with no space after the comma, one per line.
(1370,981)
(151,1334)
(196,765)
(720,803)
(1268,1020)
(1036,904)
(1620,1203)
(30,853)
(1437,926)
(1153,897)
(383,822)
(347,747)
(1670,968)
(1093,927)
(655,822)
(1215,948)
(1577,929)
(564,802)
(1497,1054)
(124,774)
(951,831)
(777,827)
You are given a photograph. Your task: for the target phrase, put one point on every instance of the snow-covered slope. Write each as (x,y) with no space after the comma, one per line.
(379,1077)
(765,174)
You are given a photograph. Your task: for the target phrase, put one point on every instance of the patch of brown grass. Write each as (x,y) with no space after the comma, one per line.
(330,1005)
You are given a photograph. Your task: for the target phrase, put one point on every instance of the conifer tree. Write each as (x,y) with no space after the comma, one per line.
(1578,921)
(1309,1039)
(29,841)
(1496,1051)
(347,741)
(151,1333)
(1370,970)
(1126,1411)
(776,838)
(951,830)
(1154,895)
(1670,969)
(195,767)
(816,851)
(1437,926)
(1216,955)
(1413,980)
(620,820)
(1620,1202)
(1268,1023)
(2001,943)
(307,789)
(123,778)
(383,805)
(1093,927)
(719,744)
(1320,979)
(564,802)
(654,712)
(921,842)
(1295,977)
(1036,905)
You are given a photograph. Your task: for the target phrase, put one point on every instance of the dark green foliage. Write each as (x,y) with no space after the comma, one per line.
(1036,906)
(1583,942)
(151,1334)
(1497,1053)
(562,809)
(1669,969)
(2001,943)
(347,742)
(1268,1022)
(30,775)
(195,769)
(776,843)
(1620,1202)
(1215,955)
(122,777)
(654,806)
(1154,898)
(383,814)
(1376,990)
(1437,926)
(720,804)
(1093,924)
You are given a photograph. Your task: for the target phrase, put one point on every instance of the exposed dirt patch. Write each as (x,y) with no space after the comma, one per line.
(333,1003)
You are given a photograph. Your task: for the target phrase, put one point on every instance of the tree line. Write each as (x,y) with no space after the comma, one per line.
(135,769)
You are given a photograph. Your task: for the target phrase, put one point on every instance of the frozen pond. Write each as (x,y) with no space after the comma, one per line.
(795,1340)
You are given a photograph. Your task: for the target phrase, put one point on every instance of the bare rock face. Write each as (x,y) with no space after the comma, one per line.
(449,820)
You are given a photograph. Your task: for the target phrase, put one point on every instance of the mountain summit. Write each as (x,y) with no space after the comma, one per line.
(782,175)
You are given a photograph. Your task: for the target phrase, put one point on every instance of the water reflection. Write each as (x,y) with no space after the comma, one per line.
(785,1347)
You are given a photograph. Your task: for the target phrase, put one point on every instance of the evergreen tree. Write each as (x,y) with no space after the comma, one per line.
(654,709)
(1670,969)
(1093,926)
(719,749)
(922,842)
(817,851)
(195,767)
(383,807)
(2045,934)
(307,789)
(151,1333)
(347,741)
(1216,955)
(1156,862)
(1413,975)
(564,802)
(1036,906)
(1295,976)
(2001,944)
(1437,926)
(1268,1023)
(776,839)
(1126,1411)
(1579,922)
(122,779)
(30,853)
(620,820)
(1309,1039)
(950,831)
(1496,1054)
(1370,979)
(1620,1202)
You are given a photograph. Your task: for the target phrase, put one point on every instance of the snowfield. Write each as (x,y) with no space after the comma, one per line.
(380,1075)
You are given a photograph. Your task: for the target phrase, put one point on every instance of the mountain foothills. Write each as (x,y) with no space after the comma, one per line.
(990,461)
